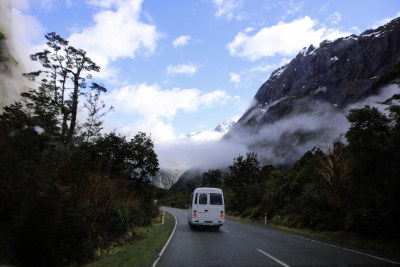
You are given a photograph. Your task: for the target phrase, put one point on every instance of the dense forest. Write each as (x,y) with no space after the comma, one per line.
(66,189)
(354,185)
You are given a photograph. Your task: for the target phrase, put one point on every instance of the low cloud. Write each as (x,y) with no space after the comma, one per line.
(22,30)
(285,141)
(181,41)
(185,153)
(188,69)
(280,143)
(17,30)
(285,38)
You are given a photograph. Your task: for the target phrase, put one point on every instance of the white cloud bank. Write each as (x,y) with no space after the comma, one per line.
(188,69)
(155,108)
(153,102)
(116,32)
(285,38)
(235,77)
(181,41)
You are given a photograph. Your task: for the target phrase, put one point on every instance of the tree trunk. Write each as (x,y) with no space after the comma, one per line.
(74,110)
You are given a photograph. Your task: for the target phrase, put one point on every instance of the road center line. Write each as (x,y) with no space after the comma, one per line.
(273,258)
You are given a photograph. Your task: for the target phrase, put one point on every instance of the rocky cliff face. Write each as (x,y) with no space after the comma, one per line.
(165,178)
(339,73)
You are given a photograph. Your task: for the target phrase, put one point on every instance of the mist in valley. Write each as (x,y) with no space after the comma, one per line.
(280,144)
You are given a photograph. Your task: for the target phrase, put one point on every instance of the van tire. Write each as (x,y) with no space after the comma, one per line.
(216,228)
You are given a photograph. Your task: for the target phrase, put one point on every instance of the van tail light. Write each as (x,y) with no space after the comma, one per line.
(194,213)
(222,214)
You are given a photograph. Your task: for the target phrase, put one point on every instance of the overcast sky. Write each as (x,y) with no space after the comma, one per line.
(175,67)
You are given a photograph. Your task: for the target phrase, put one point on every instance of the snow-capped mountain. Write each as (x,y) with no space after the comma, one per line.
(216,133)
(225,126)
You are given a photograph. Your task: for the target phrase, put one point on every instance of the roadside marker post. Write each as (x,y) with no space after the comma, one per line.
(265,218)
(163,217)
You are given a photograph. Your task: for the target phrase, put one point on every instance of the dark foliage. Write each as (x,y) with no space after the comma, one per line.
(353,186)
(60,201)
(212,178)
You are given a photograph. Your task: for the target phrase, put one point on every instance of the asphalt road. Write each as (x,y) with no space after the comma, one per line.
(244,244)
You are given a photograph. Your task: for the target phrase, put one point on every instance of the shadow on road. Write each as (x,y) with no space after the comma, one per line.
(199,228)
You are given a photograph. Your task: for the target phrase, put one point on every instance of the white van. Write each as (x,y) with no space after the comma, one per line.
(206,207)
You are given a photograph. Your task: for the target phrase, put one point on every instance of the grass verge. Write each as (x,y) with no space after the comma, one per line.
(389,247)
(143,251)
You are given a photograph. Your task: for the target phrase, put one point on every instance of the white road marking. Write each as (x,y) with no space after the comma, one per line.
(272,258)
(166,244)
(222,229)
(354,251)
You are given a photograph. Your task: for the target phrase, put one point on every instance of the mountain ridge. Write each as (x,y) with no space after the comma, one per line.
(338,72)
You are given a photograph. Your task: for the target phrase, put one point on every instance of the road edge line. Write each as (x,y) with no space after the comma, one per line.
(166,244)
(273,258)
(347,249)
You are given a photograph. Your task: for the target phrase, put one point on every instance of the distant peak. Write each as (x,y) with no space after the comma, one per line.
(225,126)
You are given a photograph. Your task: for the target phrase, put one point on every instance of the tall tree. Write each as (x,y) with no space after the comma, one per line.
(243,172)
(133,160)
(212,178)
(373,191)
(77,63)
(333,170)
(64,73)
(95,107)
(367,137)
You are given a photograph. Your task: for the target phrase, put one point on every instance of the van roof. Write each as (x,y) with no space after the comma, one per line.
(208,189)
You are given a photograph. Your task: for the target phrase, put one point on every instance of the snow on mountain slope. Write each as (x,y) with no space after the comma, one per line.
(216,133)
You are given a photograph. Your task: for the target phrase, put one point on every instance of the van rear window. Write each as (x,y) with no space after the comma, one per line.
(215,199)
(203,199)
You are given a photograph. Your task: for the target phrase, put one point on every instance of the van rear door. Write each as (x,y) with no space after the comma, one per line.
(203,207)
(216,206)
